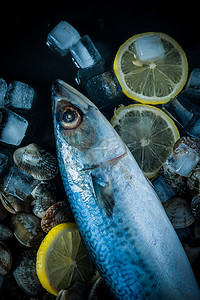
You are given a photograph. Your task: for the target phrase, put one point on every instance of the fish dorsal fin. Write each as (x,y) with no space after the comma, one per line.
(103,190)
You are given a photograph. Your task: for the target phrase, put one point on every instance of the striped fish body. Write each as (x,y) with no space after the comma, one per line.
(120,218)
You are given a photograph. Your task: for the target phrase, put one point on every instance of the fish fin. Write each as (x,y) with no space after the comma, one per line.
(103,191)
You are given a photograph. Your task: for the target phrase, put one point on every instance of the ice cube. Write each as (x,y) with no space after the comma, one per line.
(84,53)
(149,48)
(184,160)
(84,75)
(12,127)
(3,89)
(193,127)
(103,89)
(193,84)
(20,96)
(3,162)
(18,183)
(62,37)
(163,189)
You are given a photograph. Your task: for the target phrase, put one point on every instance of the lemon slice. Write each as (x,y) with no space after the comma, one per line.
(151,68)
(149,134)
(62,260)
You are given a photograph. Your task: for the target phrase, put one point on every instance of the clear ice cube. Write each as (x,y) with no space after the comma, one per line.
(20,96)
(18,183)
(162,189)
(3,89)
(103,89)
(84,53)
(149,48)
(193,127)
(3,163)
(184,160)
(12,127)
(193,84)
(84,75)
(62,37)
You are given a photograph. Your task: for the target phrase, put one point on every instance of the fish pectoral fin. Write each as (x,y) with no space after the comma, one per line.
(104,193)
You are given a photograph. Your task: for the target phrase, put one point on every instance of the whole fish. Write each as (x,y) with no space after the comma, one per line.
(120,218)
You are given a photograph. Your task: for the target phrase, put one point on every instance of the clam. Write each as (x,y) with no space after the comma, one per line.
(193,181)
(175,181)
(99,290)
(36,161)
(76,292)
(5,232)
(5,259)
(44,196)
(3,211)
(26,277)
(195,206)
(27,229)
(58,213)
(179,212)
(14,204)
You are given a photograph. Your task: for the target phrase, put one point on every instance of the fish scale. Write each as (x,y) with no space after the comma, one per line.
(121,220)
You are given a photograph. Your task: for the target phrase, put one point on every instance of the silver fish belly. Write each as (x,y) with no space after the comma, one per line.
(123,223)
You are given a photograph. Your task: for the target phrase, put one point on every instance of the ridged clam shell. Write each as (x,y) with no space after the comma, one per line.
(5,259)
(14,204)
(193,181)
(26,228)
(36,161)
(195,206)
(189,141)
(77,292)
(26,277)
(58,213)
(5,232)
(179,212)
(44,196)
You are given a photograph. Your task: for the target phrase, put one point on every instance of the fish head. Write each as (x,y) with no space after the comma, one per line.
(82,129)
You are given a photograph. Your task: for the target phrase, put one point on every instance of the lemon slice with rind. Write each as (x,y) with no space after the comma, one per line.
(151,68)
(62,260)
(149,134)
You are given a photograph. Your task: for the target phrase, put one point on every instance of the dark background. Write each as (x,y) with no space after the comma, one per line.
(24,55)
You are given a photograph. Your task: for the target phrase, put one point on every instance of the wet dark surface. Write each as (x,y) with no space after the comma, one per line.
(24,55)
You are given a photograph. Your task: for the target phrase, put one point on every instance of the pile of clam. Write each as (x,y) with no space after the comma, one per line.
(29,208)
(181,177)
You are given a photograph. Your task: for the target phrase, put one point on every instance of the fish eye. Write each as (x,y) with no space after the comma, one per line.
(70,117)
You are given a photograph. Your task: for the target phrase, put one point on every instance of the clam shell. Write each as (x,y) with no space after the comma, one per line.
(26,228)
(58,213)
(193,181)
(14,204)
(5,259)
(99,290)
(26,277)
(3,211)
(36,161)
(189,141)
(179,212)
(44,196)
(77,292)
(195,206)
(5,232)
